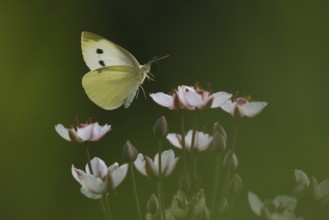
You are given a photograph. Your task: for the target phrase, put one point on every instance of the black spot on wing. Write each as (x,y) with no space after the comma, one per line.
(101,62)
(99,51)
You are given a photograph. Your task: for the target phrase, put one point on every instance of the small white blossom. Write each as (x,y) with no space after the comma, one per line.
(101,180)
(187,97)
(242,107)
(148,167)
(202,141)
(84,132)
(282,207)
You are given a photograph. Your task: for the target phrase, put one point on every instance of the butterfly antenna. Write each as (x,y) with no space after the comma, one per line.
(154,59)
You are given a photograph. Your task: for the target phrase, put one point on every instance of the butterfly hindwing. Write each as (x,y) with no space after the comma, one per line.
(109,87)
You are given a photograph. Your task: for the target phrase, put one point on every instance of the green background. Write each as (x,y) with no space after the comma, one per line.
(276,51)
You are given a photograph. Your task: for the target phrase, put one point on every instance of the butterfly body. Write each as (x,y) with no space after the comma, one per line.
(115,75)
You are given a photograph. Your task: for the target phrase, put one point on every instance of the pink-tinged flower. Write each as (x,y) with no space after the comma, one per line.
(187,97)
(102,180)
(202,141)
(242,107)
(148,167)
(84,132)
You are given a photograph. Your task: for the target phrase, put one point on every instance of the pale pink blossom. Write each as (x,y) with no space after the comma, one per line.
(84,132)
(101,180)
(187,97)
(148,167)
(242,107)
(202,141)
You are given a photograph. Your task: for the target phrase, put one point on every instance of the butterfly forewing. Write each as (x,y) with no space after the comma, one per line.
(109,87)
(99,52)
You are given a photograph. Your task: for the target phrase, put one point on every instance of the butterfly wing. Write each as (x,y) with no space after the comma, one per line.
(99,52)
(110,87)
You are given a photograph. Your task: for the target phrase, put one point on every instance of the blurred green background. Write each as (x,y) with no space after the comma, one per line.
(276,51)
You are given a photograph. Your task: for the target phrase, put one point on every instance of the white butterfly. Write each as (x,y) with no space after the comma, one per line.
(115,74)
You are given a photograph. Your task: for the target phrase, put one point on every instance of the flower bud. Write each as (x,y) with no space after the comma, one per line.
(152,204)
(236,184)
(218,142)
(160,129)
(231,160)
(129,152)
(217,127)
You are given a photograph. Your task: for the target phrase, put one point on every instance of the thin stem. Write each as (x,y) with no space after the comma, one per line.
(235,135)
(88,159)
(217,173)
(183,141)
(193,151)
(104,208)
(135,191)
(160,182)
(108,208)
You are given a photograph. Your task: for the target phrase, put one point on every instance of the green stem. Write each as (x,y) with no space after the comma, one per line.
(135,191)
(193,151)
(235,135)
(217,173)
(104,208)
(108,208)
(160,182)
(183,141)
(88,159)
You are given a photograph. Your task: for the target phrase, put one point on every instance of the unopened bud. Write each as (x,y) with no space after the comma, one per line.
(231,160)
(236,183)
(218,142)
(217,127)
(129,153)
(160,128)
(152,204)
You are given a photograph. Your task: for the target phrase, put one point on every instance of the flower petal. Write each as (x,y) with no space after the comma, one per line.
(255,203)
(193,100)
(62,131)
(163,100)
(99,131)
(229,107)
(219,98)
(188,140)
(140,164)
(118,175)
(78,174)
(98,166)
(85,133)
(250,109)
(203,141)
(175,139)
(90,194)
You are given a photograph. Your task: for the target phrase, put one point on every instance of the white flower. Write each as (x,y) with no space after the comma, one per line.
(187,97)
(84,132)
(148,167)
(242,107)
(320,191)
(102,180)
(280,208)
(202,141)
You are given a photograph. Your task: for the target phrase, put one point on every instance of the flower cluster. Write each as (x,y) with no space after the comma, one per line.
(193,98)
(98,180)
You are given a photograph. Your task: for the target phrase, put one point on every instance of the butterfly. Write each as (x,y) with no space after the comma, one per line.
(115,75)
